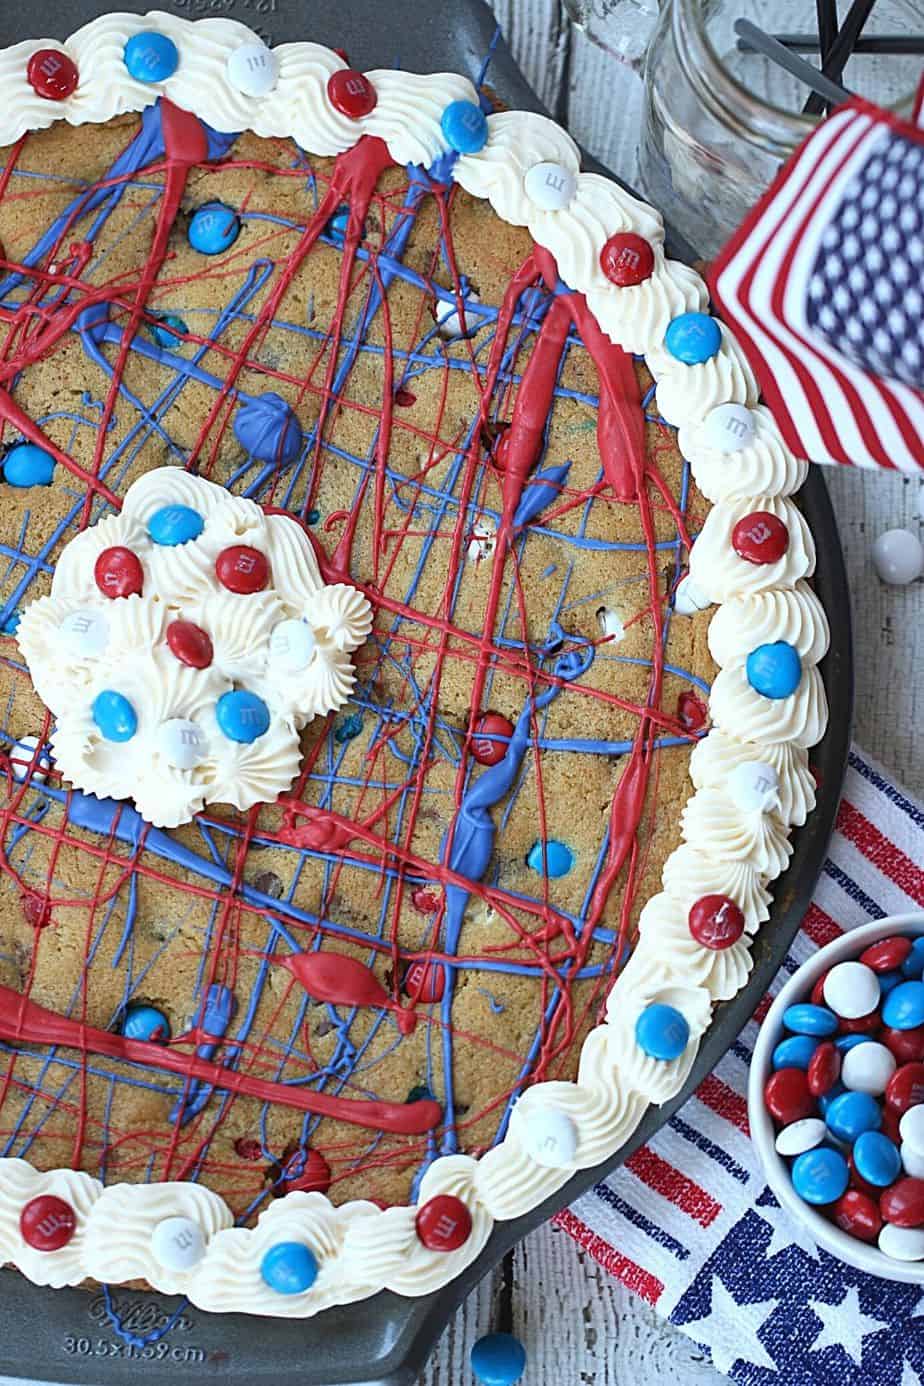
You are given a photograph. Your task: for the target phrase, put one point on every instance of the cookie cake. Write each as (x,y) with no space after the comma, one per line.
(409,666)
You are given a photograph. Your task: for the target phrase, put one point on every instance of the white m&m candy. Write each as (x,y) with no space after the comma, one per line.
(912,1160)
(550,187)
(84,632)
(800,1136)
(182,743)
(868,1068)
(253,69)
(729,427)
(292,643)
(898,556)
(851,989)
(902,1243)
(22,755)
(550,1136)
(911,1127)
(688,598)
(177,1243)
(754,787)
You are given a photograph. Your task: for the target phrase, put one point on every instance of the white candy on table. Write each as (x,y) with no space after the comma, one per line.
(800,1136)
(868,1068)
(911,1127)
(851,989)
(902,1243)
(898,556)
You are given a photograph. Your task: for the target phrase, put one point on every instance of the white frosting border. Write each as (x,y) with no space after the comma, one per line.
(361,1249)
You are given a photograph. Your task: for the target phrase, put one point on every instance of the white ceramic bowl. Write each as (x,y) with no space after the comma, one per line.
(865,1257)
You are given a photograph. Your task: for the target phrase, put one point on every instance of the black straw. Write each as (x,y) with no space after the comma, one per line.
(834,64)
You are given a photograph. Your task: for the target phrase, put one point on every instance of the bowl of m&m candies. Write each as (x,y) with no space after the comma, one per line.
(836,1097)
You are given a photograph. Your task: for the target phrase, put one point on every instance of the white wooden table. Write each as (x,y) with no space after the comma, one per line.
(578,1323)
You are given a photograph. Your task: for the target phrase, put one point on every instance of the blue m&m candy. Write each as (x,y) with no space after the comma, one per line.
(774,670)
(114,715)
(146,1023)
(820,1176)
(26,464)
(242,716)
(826,1098)
(337,226)
(662,1032)
(175,524)
(213,228)
(498,1359)
(150,56)
(557,859)
(289,1268)
(168,331)
(888,981)
(903,1008)
(877,1159)
(267,428)
(849,1114)
(913,966)
(693,338)
(804,1018)
(464,127)
(795,1051)
(846,1042)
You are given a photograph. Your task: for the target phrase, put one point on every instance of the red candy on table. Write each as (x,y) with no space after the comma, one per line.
(905,1088)
(887,955)
(351,93)
(118,573)
(906,1045)
(443,1223)
(787,1096)
(903,1203)
(627,259)
(760,537)
(242,569)
(190,643)
(485,748)
(52,74)
(857,1213)
(716,921)
(824,1069)
(47,1223)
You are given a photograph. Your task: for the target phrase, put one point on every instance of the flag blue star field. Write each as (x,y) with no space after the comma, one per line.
(689,1223)
(824,286)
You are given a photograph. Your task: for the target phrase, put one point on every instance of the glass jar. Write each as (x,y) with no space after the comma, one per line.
(719,120)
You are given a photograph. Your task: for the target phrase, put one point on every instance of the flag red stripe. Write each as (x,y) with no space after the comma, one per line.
(883,854)
(634,1276)
(724,1101)
(680,1190)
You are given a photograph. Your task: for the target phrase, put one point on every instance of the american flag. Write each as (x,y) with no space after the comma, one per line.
(824,286)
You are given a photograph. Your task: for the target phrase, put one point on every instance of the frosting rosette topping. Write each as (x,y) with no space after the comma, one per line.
(193,686)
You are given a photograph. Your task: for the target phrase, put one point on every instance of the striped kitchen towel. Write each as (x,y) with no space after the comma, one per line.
(689,1222)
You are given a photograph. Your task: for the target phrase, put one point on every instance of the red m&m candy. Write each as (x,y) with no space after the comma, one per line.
(425,900)
(627,259)
(818,991)
(824,1069)
(716,921)
(787,1097)
(118,573)
(857,1213)
(47,1223)
(486,748)
(351,93)
(906,1045)
(886,955)
(190,643)
(242,569)
(691,711)
(903,1203)
(861,1025)
(425,982)
(443,1223)
(52,74)
(760,537)
(890,1124)
(905,1088)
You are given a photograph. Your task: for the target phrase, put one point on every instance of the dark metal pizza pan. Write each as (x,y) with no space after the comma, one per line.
(63,1336)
